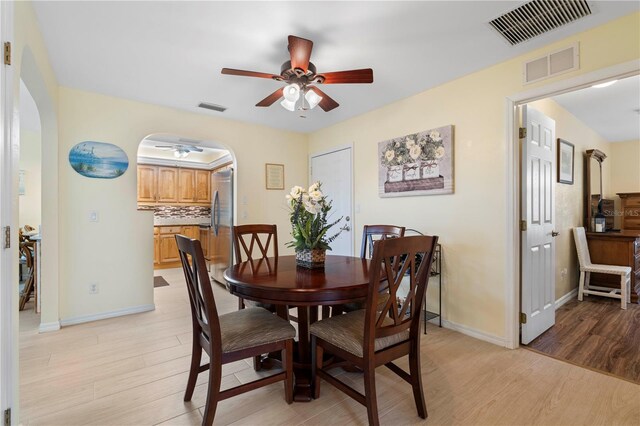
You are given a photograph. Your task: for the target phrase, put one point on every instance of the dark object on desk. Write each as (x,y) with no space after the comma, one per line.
(159,281)
(370,338)
(607,209)
(230,337)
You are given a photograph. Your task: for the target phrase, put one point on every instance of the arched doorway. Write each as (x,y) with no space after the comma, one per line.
(188,186)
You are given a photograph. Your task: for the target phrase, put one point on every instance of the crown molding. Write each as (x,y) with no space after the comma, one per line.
(171,162)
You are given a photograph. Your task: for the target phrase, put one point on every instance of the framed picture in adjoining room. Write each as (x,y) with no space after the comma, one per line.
(417,164)
(274,176)
(566,152)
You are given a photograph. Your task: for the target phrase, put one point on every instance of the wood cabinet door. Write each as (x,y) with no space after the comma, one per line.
(168,249)
(156,249)
(187,186)
(167,185)
(203,186)
(204,241)
(147,183)
(191,232)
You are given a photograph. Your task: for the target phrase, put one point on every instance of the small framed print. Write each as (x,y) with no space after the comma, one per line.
(274,176)
(566,152)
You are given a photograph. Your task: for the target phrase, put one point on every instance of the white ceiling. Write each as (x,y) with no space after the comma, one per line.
(148,149)
(613,112)
(171,53)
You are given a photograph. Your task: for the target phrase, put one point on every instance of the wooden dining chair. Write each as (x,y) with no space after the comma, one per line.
(376,336)
(26,252)
(256,241)
(229,337)
(370,235)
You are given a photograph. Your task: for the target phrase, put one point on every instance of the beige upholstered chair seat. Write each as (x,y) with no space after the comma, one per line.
(347,332)
(252,327)
(607,269)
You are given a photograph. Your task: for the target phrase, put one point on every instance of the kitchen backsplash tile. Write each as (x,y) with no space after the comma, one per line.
(166,212)
(181,215)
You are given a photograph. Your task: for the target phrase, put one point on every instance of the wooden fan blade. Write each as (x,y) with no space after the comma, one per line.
(242,73)
(269,100)
(300,51)
(353,76)
(327,104)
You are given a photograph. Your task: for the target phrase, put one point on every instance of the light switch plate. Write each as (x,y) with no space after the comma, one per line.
(94,216)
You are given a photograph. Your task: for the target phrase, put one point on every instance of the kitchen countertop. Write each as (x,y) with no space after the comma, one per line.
(186,221)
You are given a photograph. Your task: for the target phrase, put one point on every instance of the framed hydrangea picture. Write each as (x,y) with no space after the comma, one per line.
(417,164)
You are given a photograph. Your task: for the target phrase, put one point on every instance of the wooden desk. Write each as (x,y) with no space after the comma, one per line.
(280,282)
(616,248)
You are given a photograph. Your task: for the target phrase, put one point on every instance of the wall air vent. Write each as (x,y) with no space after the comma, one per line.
(213,107)
(538,17)
(554,63)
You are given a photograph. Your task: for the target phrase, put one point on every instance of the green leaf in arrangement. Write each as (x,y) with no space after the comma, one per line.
(309,211)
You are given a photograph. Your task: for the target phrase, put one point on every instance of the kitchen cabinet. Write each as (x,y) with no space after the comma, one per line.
(147,183)
(165,247)
(203,186)
(187,185)
(172,185)
(167,185)
(204,241)
(156,248)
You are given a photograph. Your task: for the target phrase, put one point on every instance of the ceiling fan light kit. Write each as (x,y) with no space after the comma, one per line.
(299,74)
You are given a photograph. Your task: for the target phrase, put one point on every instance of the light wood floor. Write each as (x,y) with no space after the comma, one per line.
(133,370)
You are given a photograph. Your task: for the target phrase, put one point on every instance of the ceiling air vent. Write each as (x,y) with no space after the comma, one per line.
(537,17)
(212,107)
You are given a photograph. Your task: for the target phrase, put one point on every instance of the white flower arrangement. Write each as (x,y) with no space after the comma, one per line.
(309,210)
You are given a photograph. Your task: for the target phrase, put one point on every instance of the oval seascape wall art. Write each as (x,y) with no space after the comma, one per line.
(98,160)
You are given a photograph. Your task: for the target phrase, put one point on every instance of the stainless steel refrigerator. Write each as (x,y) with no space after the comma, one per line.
(220,239)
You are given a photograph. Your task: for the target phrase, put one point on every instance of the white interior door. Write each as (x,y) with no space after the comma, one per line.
(333,169)
(538,212)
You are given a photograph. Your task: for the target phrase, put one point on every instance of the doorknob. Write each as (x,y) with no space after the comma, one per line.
(554,234)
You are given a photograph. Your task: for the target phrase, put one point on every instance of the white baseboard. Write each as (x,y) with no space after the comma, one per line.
(104,315)
(46,327)
(564,299)
(477,334)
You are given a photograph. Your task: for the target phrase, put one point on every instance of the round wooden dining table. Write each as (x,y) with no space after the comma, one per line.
(279,281)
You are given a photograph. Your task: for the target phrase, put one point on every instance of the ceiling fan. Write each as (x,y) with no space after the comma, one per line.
(300,75)
(180,151)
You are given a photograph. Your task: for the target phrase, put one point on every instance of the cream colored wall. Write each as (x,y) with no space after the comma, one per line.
(30,63)
(570,198)
(117,252)
(625,176)
(30,204)
(471,222)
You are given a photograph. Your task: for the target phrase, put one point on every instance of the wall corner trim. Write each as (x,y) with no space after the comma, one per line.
(567,297)
(46,327)
(110,314)
(476,334)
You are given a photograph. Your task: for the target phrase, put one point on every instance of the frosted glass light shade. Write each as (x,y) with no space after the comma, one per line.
(180,153)
(291,106)
(291,92)
(312,98)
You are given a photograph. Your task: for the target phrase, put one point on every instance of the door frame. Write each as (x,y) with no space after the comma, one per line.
(349,146)
(512,172)
(8,203)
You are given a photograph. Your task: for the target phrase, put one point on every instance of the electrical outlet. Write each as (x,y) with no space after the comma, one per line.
(94,288)
(94,216)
